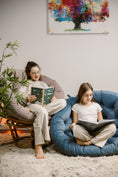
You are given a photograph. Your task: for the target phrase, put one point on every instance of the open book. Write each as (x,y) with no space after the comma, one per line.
(44,95)
(91,126)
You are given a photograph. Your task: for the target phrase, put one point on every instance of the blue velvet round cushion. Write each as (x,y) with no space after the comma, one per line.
(63,138)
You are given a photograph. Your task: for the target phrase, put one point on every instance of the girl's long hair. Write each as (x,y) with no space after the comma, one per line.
(84,88)
(28,68)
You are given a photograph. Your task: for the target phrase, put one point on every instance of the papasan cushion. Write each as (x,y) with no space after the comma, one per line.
(63,138)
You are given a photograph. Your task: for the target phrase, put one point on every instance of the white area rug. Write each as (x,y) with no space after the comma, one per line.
(18,162)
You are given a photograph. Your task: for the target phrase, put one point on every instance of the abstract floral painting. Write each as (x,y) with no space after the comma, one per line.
(78,16)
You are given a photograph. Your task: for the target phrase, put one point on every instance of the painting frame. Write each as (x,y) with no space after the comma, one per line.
(78,16)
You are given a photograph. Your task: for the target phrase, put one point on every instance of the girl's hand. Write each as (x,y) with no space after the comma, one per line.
(31,98)
(27,109)
(72,125)
(53,98)
(100,117)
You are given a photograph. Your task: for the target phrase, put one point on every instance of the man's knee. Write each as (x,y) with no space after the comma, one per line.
(41,112)
(41,116)
(76,130)
(112,128)
(63,103)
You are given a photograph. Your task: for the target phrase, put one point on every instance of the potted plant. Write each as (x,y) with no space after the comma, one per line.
(8,80)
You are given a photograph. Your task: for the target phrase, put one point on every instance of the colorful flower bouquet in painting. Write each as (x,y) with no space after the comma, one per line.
(78,16)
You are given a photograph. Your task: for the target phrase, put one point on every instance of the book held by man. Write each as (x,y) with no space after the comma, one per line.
(44,95)
(92,126)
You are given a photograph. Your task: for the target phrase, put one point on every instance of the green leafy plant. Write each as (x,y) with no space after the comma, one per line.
(9,81)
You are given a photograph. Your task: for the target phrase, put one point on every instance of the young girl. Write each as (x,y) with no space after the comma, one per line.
(40,123)
(87,109)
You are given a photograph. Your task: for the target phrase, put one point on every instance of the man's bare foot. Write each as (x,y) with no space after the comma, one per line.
(39,152)
(83,143)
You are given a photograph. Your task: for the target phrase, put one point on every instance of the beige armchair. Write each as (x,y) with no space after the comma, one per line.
(19,117)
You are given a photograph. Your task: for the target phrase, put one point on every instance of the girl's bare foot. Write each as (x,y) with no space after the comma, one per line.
(87,143)
(79,142)
(39,152)
(83,143)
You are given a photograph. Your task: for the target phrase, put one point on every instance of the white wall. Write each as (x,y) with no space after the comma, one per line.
(69,59)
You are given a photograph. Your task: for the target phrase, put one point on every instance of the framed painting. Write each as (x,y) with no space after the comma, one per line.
(78,16)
